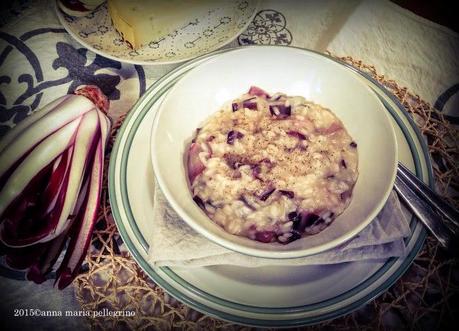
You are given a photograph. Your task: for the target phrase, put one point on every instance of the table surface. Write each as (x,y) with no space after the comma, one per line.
(415,52)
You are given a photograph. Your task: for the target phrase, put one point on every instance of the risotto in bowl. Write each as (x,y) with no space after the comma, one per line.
(274,159)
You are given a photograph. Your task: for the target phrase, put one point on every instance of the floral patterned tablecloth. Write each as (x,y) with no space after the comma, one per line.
(40,61)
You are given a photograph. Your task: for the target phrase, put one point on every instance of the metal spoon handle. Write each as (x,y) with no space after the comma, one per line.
(433,199)
(424,212)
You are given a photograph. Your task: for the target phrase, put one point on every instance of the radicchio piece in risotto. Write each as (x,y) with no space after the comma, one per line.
(272,167)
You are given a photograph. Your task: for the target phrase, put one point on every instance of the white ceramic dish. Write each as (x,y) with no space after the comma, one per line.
(200,36)
(268,296)
(204,89)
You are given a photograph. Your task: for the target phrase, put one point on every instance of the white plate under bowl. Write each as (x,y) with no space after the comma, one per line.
(203,90)
(201,35)
(268,296)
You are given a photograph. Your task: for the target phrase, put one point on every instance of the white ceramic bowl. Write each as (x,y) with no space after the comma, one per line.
(293,71)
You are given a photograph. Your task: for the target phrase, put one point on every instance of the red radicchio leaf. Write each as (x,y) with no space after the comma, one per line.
(43,266)
(280,111)
(84,223)
(304,220)
(199,202)
(258,92)
(232,136)
(22,258)
(250,105)
(288,194)
(43,220)
(195,166)
(256,171)
(264,236)
(346,194)
(297,134)
(266,193)
(330,129)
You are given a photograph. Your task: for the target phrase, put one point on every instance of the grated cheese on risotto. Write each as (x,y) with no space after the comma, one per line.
(272,167)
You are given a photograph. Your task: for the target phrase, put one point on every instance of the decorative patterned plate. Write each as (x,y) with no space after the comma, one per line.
(199,36)
(267,296)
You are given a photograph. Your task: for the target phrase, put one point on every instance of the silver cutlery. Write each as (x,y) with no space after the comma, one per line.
(433,211)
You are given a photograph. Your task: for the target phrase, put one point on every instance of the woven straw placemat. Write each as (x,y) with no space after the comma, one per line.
(422,299)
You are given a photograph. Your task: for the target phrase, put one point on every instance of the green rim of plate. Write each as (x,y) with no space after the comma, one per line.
(152,96)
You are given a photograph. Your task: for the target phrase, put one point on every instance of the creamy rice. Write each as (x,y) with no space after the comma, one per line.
(272,168)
